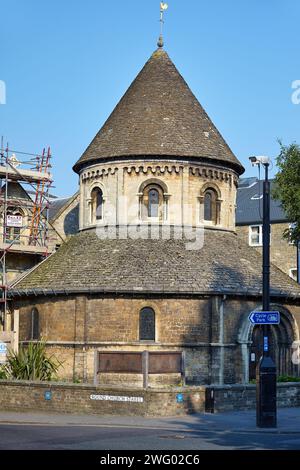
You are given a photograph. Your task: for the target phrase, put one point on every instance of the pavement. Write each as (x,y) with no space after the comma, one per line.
(234,430)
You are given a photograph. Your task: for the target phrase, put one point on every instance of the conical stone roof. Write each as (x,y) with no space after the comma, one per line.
(160,117)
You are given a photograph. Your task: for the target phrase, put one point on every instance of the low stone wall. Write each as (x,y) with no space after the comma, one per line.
(239,397)
(134,401)
(101,400)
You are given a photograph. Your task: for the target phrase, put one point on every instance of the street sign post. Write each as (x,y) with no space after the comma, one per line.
(264,318)
(266,387)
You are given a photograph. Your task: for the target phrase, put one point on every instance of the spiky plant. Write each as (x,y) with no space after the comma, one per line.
(32,363)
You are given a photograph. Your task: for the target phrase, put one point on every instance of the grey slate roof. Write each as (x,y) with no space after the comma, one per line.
(71,220)
(159,116)
(56,205)
(86,263)
(250,208)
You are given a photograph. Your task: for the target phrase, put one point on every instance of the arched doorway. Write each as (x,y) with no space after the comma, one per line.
(281,338)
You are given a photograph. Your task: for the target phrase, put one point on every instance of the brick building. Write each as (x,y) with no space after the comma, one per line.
(157,263)
(249,225)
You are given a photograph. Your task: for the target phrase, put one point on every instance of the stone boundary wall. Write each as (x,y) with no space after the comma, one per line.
(239,397)
(112,400)
(106,400)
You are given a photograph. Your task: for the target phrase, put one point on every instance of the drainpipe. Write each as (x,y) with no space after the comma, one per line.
(221,340)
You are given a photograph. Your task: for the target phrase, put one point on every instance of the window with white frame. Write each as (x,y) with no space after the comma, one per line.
(293,273)
(255,235)
(291,227)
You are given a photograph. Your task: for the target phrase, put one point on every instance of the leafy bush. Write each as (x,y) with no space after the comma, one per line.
(31,363)
(2,373)
(281,378)
(288,378)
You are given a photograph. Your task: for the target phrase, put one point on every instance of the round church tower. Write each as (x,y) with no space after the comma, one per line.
(157,265)
(158,160)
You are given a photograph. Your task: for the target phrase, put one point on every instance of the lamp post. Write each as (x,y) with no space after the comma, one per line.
(266,413)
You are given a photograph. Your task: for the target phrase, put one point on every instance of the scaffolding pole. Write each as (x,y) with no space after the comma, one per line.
(33,235)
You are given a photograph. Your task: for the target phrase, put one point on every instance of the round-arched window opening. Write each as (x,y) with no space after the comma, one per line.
(147,324)
(35,324)
(208,206)
(153,206)
(211,206)
(153,203)
(97,205)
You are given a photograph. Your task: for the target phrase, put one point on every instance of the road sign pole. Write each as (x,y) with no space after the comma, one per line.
(266,415)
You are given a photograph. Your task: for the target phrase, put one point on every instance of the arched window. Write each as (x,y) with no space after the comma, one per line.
(147,324)
(96,205)
(153,202)
(207,206)
(35,324)
(211,206)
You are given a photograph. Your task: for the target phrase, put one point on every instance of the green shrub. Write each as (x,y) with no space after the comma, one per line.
(2,373)
(288,378)
(31,363)
(281,378)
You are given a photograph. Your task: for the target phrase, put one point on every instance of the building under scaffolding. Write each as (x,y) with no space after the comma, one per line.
(25,182)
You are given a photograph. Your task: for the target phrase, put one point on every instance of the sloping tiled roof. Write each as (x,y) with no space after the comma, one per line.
(250,204)
(159,116)
(56,205)
(71,218)
(88,264)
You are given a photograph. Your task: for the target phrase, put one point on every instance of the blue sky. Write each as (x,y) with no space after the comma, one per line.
(66,64)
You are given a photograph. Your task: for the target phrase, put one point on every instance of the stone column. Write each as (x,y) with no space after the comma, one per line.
(245,362)
(185,197)
(81,203)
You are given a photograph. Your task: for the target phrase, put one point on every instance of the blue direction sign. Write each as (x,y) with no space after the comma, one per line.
(265,318)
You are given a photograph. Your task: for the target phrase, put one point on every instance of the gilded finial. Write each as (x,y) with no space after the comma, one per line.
(163,7)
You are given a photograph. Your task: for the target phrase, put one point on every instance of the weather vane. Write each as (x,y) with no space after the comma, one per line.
(163,8)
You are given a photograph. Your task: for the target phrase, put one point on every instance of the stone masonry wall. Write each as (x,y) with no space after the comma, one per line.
(76,398)
(237,397)
(76,327)
(128,401)
(183,182)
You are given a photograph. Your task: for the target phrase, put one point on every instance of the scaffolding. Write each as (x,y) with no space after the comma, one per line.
(32,173)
